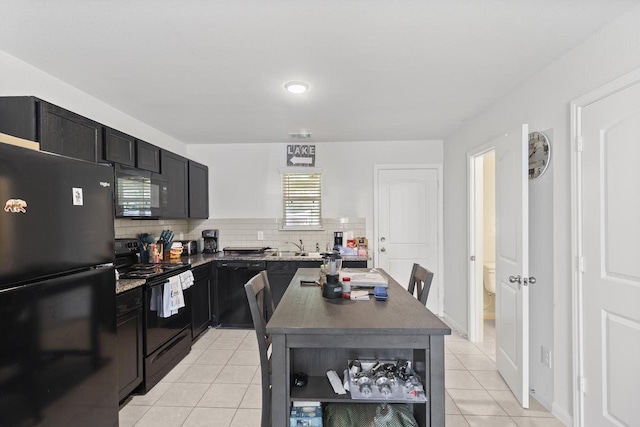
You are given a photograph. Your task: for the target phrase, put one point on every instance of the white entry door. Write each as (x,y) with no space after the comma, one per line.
(407,223)
(610,235)
(512,259)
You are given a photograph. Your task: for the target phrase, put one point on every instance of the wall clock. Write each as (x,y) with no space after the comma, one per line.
(539,154)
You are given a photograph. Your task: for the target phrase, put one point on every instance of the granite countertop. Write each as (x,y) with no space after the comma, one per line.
(197,260)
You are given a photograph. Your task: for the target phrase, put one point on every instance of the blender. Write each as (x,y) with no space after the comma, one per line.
(332,288)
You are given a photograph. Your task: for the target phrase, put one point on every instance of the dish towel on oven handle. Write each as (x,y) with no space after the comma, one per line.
(173,298)
(186,279)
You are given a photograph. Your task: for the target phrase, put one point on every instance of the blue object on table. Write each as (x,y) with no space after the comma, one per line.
(380,293)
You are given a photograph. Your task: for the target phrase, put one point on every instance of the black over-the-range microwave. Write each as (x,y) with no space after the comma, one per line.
(139,193)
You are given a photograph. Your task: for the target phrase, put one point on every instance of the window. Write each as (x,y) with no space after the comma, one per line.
(302,200)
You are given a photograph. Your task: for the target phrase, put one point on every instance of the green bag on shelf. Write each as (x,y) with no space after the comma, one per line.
(368,415)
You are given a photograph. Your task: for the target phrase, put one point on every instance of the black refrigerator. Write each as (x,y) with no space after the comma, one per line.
(58,349)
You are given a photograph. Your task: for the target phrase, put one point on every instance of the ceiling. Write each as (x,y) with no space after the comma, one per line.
(213,71)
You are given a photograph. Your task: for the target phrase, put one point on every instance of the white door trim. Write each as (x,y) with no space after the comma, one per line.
(576,236)
(439,278)
(475,245)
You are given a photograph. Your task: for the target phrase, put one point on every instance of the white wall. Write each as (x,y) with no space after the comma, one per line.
(543,103)
(244,179)
(17,78)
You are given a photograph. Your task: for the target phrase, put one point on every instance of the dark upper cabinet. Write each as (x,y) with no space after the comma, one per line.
(198,190)
(56,129)
(119,147)
(130,151)
(175,173)
(147,156)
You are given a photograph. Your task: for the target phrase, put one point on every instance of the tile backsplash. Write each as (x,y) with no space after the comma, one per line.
(244,231)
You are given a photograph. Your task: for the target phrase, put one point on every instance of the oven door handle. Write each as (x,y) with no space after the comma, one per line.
(169,347)
(153,285)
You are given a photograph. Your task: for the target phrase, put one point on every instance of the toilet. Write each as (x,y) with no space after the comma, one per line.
(489,277)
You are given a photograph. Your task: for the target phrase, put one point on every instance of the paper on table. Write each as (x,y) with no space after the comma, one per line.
(359,295)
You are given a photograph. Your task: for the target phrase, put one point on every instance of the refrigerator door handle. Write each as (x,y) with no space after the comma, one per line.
(107,265)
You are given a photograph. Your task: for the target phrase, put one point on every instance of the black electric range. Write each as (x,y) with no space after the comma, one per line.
(167,336)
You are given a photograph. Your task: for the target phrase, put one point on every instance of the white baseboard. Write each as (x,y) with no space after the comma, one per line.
(462,331)
(562,415)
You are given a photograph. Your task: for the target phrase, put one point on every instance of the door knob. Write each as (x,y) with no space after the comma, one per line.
(531,280)
(515,279)
(383,250)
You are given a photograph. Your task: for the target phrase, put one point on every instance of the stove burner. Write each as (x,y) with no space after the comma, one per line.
(145,271)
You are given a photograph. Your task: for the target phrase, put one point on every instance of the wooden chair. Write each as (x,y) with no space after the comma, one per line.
(420,282)
(261,305)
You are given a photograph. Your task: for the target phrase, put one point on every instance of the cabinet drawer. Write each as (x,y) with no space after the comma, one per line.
(129,300)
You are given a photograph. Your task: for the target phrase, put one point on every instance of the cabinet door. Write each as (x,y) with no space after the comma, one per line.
(200,306)
(200,317)
(198,190)
(147,156)
(67,133)
(280,274)
(129,327)
(119,147)
(18,117)
(175,173)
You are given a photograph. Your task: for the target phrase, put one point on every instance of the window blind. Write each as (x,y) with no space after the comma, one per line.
(302,200)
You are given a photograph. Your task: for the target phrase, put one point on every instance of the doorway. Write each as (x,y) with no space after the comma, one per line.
(482,247)
(408,224)
(607,274)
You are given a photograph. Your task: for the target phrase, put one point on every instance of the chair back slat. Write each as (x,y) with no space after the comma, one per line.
(262,307)
(420,282)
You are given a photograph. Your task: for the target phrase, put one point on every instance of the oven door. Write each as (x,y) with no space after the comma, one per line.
(139,193)
(160,329)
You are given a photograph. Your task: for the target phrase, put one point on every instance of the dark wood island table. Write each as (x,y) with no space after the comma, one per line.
(311,334)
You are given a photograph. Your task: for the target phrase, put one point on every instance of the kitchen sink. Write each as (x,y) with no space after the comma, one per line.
(288,253)
(296,253)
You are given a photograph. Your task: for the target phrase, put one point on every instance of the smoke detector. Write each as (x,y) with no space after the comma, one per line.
(300,135)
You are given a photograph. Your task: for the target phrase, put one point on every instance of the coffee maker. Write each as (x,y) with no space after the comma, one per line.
(210,245)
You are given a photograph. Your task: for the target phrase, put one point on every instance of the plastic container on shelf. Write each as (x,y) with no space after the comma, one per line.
(385,380)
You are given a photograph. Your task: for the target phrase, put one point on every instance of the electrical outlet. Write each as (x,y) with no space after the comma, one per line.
(545,357)
(260,235)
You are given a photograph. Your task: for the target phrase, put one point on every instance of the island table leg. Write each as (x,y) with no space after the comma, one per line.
(437,392)
(279,381)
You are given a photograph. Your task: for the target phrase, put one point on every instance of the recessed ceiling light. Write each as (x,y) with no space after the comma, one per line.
(296,87)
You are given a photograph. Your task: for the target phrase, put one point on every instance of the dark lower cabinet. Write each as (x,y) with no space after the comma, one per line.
(200,309)
(130,341)
(280,274)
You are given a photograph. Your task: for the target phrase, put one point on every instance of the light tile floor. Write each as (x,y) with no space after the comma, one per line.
(218,385)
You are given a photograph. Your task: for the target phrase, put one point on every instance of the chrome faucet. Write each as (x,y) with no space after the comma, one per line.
(299,246)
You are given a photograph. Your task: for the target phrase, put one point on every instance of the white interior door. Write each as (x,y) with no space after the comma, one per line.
(407,223)
(610,210)
(512,259)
